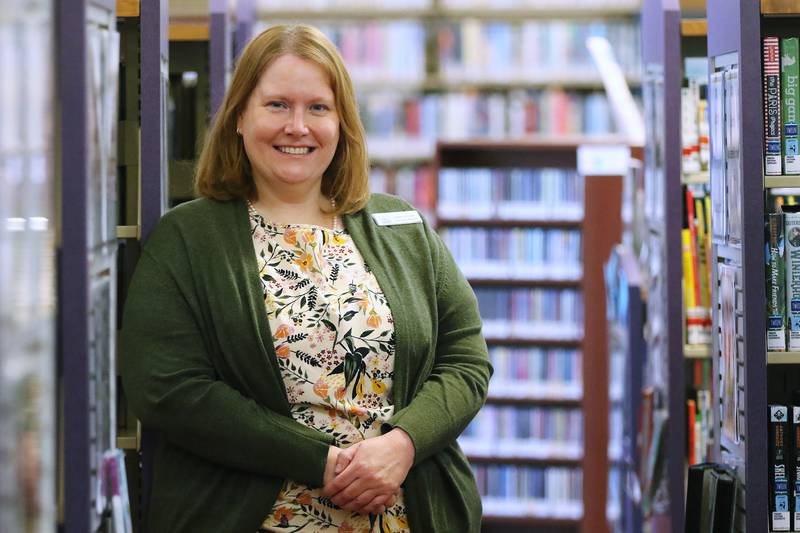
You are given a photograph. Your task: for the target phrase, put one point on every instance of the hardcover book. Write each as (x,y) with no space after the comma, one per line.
(772,107)
(775,272)
(792,250)
(778,469)
(790,78)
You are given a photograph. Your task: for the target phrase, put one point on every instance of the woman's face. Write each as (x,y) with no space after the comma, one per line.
(290,127)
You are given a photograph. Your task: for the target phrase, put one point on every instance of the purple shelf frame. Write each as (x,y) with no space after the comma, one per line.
(245,21)
(734,26)
(662,48)
(219,51)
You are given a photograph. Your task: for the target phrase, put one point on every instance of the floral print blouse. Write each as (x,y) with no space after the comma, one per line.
(334,338)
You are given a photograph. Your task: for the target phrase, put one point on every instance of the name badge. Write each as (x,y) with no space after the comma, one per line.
(396,218)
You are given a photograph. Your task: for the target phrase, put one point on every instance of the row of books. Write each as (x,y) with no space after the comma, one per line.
(461,114)
(781,83)
(517,253)
(547,426)
(782,237)
(530,305)
(696,254)
(416,184)
(694,128)
(550,483)
(784,467)
(535,366)
(510,193)
(472,49)
(378,51)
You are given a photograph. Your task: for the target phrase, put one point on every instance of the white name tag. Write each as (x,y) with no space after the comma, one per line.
(397,217)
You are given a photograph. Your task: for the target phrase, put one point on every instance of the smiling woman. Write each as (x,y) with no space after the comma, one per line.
(301,375)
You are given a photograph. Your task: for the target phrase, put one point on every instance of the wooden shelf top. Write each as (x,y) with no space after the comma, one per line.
(510,223)
(544,143)
(189,29)
(530,520)
(523,341)
(508,282)
(694,27)
(783,358)
(777,182)
(127,8)
(521,460)
(780,7)
(696,351)
(533,401)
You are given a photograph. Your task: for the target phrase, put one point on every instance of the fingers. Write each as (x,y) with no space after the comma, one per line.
(331,464)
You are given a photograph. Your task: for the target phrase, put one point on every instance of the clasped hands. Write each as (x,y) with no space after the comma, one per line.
(366,477)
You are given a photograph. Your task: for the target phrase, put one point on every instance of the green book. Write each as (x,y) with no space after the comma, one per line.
(790,79)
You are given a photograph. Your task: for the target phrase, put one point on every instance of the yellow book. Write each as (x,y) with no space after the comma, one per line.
(688,271)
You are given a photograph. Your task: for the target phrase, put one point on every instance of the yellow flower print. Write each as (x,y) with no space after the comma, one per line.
(363,303)
(310,236)
(290,236)
(321,388)
(282,351)
(378,386)
(402,521)
(305,262)
(346,528)
(340,392)
(283,331)
(356,410)
(373,320)
(339,240)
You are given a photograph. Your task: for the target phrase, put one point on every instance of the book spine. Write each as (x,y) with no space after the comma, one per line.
(691,411)
(795,456)
(778,480)
(790,78)
(792,251)
(772,107)
(775,269)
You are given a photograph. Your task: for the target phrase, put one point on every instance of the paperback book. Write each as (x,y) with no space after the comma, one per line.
(778,469)
(775,273)
(772,107)
(790,79)
(792,250)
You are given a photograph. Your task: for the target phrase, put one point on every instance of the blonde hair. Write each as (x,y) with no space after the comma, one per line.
(223,170)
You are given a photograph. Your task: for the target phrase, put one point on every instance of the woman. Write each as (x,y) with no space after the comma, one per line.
(302,349)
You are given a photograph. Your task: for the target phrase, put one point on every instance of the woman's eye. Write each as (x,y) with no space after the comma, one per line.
(319,107)
(276,105)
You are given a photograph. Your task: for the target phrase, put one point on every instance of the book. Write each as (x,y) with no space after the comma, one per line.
(691,411)
(792,276)
(775,274)
(772,107)
(724,500)
(694,497)
(790,79)
(778,469)
(794,455)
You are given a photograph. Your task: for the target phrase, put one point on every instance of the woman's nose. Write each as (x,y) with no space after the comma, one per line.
(296,124)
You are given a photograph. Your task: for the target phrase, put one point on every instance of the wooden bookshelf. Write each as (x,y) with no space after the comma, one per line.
(694,28)
(189,30)
(127,8)
(780,182)
(780,7)
(783,358)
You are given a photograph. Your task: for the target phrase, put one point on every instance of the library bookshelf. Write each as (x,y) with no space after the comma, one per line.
(598,224)
(759,377)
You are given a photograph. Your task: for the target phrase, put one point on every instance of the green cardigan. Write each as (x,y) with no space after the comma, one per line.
(199,367)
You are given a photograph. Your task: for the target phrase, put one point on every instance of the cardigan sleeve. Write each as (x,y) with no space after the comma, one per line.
(458,383)
(172,387)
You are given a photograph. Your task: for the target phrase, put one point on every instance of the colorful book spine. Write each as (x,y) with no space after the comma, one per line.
(691,408)
(795,455)
(792,250)
(772,106)
(778,469)
(775,271)
(694,320)
(790,79)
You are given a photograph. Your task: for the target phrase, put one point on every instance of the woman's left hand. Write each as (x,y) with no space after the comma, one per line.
(378,466)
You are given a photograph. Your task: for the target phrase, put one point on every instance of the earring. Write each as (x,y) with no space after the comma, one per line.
(238,132)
